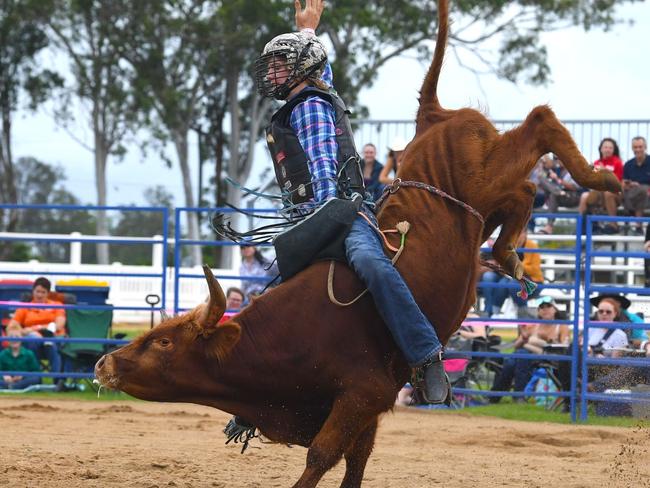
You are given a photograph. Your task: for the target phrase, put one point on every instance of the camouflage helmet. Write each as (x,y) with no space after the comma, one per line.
(304,57)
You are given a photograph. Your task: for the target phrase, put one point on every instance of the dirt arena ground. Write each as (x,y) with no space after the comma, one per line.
(71,444)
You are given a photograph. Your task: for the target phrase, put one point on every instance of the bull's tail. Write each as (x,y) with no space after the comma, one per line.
(429,91)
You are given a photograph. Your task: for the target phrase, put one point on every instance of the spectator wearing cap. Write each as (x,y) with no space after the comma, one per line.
(395,152)
(547,333)
(603,341)
(635,336)
(636,181)
(371,171)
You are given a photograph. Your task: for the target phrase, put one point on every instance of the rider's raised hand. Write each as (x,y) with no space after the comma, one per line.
(309,17)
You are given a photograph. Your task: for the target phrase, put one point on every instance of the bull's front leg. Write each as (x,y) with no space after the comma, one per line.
(518,210)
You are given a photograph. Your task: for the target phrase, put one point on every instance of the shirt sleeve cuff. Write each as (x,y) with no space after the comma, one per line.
(308,31)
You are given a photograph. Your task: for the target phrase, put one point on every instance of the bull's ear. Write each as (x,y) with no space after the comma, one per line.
(222,338)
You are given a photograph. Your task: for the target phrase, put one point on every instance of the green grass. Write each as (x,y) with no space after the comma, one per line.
(503,410)
(88,394)
(533,413)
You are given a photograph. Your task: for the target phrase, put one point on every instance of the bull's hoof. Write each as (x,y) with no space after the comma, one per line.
(514,266)
(607,181)
(611,183)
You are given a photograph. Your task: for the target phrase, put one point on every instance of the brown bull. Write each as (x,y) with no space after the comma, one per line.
(307,372)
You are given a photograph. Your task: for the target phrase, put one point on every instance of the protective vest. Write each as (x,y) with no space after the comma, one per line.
(290,161)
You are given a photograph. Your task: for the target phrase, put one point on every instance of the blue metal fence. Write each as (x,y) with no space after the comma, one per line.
(576,249)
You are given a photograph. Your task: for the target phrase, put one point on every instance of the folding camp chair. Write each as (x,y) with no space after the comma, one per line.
(80,357)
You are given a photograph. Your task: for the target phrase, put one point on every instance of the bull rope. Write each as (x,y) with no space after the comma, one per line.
(527,286)
(401,227)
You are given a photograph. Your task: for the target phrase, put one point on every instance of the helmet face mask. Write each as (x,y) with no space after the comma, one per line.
(287,61)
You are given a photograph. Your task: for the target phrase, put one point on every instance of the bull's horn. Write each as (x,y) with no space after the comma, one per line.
(217,304)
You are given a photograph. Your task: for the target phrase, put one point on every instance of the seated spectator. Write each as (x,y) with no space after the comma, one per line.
(592,199)
(604,341)
(17,358)
(234,302)
(371,170)
(393,160)
(254,264)
(495,297)
(560,190)
(546,334)
(519,370)
(636,181)
(234,299)
(635,336)
(42,322)
(537,176)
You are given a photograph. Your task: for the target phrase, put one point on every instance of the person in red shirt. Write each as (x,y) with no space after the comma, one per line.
(39,322)
(609,161)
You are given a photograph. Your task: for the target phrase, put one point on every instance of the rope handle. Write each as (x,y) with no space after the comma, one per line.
(401,227)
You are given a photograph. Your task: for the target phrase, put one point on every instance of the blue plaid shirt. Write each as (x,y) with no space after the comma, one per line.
(313,121)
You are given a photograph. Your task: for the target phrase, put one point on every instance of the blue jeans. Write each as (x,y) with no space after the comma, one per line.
(20,384)
(413,333)
(46,351)
(494,297)
(518,369)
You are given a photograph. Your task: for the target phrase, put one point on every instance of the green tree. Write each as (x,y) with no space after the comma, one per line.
(22,38)
(85,30)
(174,48)
(139,224)
(365,35)
(41,183)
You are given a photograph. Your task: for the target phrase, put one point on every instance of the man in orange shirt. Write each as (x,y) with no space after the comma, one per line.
(36,321)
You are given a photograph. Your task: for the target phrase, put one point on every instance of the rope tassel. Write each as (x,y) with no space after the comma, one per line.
(402,228)
(527,288)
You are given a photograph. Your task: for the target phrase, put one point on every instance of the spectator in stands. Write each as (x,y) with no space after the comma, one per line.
(547,333)
(395,152)
(635,336)
(519,370)
(636,181)
(371,170)
(494,297)
(255,265)
(42,322)
(234,299)
(560,190)
(602,341)
(609,161)
(17,358)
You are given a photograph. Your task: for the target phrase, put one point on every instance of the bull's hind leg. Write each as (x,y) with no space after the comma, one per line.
(357,454)
(516,209)
(542,133)
(350,416)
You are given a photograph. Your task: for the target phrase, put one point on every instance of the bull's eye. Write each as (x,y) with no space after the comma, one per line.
(164,342)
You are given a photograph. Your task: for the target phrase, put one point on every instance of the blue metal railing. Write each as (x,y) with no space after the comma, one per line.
(578,358)
(586,360)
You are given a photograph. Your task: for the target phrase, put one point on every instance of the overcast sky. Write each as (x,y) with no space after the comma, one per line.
(595,75)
